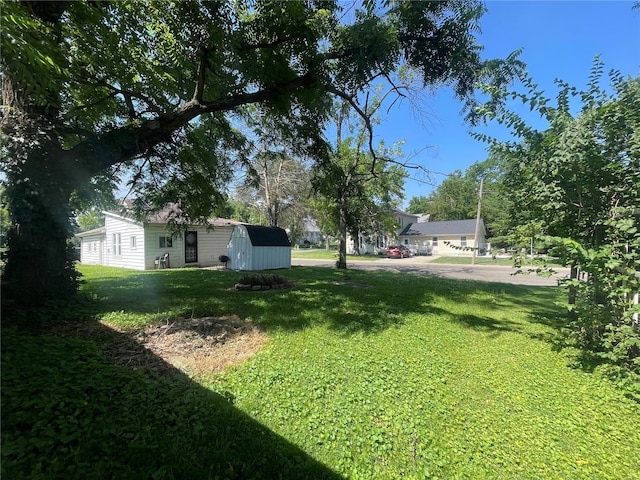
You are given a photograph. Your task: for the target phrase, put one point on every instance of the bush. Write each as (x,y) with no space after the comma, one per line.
(263,280)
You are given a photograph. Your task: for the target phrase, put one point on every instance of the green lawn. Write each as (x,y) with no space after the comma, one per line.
(371,375)
(329,255)
(480,260)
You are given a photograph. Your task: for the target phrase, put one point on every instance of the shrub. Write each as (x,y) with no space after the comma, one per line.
(263,280)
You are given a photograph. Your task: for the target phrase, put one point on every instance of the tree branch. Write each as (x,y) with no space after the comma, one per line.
(202,67)
(107,149)
(365,118)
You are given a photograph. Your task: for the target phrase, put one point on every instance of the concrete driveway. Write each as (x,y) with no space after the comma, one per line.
(423,266)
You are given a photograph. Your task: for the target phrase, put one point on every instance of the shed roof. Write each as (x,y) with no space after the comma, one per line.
(451,227)
(261,236)
(95,231)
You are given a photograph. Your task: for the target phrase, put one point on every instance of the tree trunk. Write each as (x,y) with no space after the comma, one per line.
(40,266)
(572,291)
(40,176)
(342,243)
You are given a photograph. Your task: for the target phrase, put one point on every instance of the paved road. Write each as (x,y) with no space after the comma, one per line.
(422,266)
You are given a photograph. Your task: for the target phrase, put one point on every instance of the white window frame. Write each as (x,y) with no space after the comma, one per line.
(117,244)
(434,241)
(463,241)
(133,242)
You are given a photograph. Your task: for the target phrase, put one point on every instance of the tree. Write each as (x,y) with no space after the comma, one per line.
(278,181)
(419,205)
(358,188)
(580,178)
(154,92)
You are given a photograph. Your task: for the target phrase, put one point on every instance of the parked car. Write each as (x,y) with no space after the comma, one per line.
(398,251)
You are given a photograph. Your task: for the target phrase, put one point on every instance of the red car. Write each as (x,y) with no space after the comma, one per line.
(398,251)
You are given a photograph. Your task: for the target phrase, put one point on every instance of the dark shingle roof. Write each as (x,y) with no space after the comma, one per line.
(267,236)
(452,227)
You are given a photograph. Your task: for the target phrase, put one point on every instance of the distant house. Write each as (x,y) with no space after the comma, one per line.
(311,233)
(254,247)
(443,237)
(375,243)
(145,245)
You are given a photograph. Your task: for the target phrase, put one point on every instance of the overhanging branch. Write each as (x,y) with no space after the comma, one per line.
(107,149)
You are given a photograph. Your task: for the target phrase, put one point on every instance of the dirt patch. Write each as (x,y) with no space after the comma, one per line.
(195,346)
(203,345)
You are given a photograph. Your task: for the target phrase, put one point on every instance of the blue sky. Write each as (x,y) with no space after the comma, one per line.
(559,39)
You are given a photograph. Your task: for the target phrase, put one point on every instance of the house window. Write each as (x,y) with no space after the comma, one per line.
(117,247)
(463,241)
(434,242)
(165,242)
(406,241)
(133,242)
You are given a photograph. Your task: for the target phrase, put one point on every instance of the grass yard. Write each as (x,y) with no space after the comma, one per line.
(364,375)
(504,262)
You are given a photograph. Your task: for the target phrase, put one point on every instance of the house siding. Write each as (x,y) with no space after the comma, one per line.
(92,249)
(129,257)
(152,248)
(211,244)
(416,241)
(143,253)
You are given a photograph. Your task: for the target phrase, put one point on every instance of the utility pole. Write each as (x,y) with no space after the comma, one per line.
(475,241)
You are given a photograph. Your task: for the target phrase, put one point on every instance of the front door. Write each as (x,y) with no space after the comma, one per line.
(191,247)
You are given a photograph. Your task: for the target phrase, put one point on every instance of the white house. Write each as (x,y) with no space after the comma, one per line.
(254,247)
(311,233)
(454,237)
(125,242)
(376,243)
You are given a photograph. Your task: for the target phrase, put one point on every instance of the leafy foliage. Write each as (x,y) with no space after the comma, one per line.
(357,187)
(580,181)
(262,279)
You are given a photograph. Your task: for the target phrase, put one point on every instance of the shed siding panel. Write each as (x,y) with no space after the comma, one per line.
(267,258)
(240,250)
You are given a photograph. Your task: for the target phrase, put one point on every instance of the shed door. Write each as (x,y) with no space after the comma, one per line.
(191,247)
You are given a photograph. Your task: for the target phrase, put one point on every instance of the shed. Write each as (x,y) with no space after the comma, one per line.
(254,247)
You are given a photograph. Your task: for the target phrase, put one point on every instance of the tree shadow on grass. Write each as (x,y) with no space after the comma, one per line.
(334,298)
(71,411)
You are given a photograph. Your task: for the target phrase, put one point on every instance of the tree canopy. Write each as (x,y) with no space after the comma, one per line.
(153,93)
